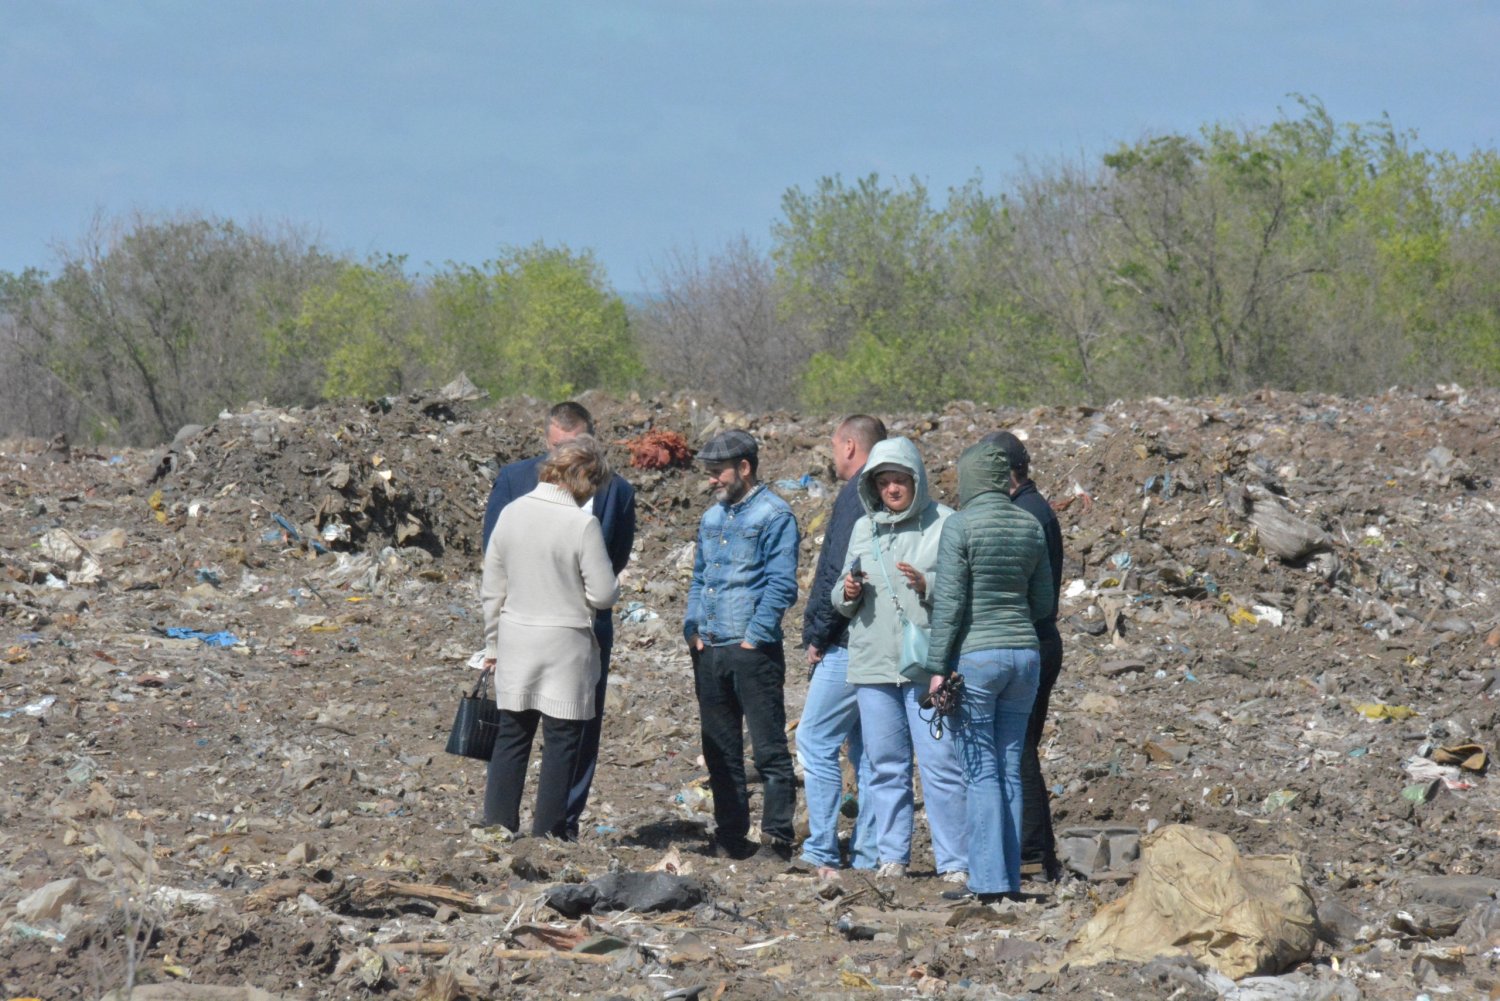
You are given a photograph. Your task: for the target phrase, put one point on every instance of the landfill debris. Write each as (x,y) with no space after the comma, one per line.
(1196,894)
(1371,710)
(641,892)
(659,448)
(272,808)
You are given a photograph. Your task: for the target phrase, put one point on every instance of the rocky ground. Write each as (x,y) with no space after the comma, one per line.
(227,671)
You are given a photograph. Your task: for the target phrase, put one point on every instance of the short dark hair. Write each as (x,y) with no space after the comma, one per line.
(1014,449)
(864,429)
(571,416)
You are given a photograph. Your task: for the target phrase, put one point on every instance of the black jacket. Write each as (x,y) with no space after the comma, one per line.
(822,627)
(1028,498)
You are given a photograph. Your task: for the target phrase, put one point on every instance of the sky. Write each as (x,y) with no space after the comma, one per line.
(448,131)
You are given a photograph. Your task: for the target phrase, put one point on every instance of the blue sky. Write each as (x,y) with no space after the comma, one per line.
(447,130)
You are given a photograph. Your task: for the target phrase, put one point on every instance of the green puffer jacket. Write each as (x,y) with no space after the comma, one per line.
(996,580)
(910,536)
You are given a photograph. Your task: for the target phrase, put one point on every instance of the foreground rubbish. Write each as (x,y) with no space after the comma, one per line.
(1281,618)
(1196,894)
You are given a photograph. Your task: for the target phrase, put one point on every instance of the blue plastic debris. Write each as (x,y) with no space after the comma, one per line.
(293,534)
(220,639)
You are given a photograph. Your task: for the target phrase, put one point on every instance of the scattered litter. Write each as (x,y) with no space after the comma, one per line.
(219,639)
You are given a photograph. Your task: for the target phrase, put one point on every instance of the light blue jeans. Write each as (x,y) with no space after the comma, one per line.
(829,717)
(888,715)
(1000,686)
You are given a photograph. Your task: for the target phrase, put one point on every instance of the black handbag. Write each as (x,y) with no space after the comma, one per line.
(476,722)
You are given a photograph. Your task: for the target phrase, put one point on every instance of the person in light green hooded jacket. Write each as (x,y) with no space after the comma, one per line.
(889,575)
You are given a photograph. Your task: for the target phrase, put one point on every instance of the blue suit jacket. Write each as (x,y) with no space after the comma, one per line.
(614,506)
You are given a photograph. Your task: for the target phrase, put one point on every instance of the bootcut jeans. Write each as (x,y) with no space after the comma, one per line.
(1000,687)
(889,717)
(830,716)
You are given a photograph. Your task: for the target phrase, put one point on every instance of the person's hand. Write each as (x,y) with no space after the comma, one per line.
(488,664)
(853,588)
(915,579)
(746,645)
(813,655)
(696,643)
(935,683)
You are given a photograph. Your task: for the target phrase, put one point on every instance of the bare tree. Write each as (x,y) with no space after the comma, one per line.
(156,322)
(715,324)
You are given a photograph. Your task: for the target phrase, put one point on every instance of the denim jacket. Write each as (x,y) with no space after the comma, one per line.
(744,571)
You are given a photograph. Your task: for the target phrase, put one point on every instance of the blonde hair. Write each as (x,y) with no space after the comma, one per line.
(578,466)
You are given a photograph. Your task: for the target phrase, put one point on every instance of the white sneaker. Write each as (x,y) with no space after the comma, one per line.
(891,870)
(957,877)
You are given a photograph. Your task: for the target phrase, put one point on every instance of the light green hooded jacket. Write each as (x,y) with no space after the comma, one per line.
(910,536)
(997,579)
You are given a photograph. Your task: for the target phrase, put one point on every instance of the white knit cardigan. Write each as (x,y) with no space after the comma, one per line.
(545,572)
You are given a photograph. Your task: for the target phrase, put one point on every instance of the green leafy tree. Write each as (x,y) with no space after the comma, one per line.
(538,320)
(360,332)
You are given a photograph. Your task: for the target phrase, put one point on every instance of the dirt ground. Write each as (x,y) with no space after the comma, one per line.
(266,802)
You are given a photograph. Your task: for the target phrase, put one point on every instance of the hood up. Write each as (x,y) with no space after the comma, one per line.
(982,469)
(893,453)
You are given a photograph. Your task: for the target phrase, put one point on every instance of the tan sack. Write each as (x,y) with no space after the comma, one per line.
(1197,895)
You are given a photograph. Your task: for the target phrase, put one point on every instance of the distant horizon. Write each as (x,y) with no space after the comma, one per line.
(447,134)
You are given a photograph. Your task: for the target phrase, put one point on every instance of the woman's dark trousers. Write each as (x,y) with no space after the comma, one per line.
(562,739)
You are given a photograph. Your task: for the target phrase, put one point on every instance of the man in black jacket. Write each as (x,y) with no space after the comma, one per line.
(830,715)
(1037,844)
(614,506)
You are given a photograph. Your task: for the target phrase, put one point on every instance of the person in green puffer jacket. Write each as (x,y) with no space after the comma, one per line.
(996,582)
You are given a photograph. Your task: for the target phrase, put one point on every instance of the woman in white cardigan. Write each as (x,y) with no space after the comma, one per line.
(545,573)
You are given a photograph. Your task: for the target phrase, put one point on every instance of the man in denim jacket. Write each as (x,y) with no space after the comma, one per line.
(744,580)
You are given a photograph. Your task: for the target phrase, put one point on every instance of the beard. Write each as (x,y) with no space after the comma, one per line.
(732,493)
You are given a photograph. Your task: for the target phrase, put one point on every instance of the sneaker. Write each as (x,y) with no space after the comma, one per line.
(969,895)
(966,895)
(892,870)
(957,877)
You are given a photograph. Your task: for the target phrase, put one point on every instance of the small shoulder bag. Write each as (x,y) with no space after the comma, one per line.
(915,639)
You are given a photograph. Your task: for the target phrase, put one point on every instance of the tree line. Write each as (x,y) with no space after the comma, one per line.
(1302,255)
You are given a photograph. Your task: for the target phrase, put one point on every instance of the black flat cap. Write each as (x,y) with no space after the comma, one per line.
(728,446)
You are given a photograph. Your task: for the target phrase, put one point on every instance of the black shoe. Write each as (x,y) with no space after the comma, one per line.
(774,851)
(737,849)
(1043,870)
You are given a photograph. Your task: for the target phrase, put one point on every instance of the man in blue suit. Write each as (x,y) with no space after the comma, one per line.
(614,506)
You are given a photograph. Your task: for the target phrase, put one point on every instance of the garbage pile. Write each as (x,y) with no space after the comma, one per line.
(227,668)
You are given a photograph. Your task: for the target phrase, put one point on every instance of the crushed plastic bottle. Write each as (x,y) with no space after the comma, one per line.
(38,708)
